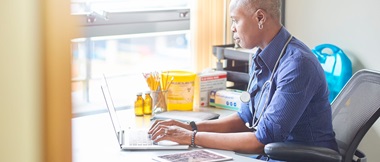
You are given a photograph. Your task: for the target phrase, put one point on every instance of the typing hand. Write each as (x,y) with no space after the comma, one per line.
(170,122)
(171,133)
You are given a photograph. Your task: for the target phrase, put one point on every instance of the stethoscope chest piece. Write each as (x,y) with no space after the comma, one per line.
(245,97)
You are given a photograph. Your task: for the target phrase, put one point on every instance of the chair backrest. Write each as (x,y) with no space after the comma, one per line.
(355,109)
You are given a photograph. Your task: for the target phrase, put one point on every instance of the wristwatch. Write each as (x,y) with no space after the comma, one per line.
(193,126)
(195,130)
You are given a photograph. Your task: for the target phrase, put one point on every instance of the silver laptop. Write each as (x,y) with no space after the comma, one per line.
(134,139)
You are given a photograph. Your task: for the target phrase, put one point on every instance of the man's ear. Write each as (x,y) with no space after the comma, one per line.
(260,16)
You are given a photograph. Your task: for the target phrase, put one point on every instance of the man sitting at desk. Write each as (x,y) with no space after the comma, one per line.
(286,99)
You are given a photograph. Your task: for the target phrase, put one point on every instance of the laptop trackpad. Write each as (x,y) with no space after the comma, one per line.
(167,143)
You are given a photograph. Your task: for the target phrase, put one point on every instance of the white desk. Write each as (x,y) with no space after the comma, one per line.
(94,139)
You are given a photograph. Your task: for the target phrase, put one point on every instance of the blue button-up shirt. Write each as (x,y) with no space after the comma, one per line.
(298,109)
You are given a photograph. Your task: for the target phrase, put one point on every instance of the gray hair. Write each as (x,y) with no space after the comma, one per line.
(273,7)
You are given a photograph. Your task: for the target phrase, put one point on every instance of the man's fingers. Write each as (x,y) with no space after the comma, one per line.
(161,131)
(157,123)
(154,126)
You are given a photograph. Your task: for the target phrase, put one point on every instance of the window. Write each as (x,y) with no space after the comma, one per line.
(123,39)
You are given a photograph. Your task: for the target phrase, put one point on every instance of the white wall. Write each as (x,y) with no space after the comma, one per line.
(352,25)
(20,101)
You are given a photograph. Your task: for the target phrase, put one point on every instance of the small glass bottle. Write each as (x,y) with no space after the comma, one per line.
(139,105)
(147,104)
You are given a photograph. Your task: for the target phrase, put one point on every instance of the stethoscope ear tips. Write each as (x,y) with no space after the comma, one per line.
(248,126)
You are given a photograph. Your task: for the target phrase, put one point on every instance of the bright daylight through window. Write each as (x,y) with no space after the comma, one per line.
(123,39)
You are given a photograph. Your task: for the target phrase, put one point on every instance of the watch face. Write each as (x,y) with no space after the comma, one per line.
(193,125)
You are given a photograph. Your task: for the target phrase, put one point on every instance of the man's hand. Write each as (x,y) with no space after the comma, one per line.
(171,130)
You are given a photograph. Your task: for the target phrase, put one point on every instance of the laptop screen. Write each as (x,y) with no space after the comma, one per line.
(112,111)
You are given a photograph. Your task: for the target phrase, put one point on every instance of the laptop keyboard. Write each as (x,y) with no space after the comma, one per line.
(140,138)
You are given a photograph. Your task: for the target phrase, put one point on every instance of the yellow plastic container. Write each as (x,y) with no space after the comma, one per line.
(180,86)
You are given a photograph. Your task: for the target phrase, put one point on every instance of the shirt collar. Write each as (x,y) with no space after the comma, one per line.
(270,54)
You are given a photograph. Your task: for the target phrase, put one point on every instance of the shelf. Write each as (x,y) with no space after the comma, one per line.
(237,63)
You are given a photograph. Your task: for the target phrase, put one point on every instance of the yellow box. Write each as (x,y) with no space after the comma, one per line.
(180,86)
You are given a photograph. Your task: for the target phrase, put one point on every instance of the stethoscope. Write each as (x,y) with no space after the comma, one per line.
(245,97)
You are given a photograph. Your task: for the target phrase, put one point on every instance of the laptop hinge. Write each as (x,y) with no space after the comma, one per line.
(120,137)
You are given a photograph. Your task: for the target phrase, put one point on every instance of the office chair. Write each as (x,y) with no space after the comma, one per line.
(354,111)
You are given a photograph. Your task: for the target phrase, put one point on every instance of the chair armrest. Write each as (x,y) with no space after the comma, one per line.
(298,152)
(360,156)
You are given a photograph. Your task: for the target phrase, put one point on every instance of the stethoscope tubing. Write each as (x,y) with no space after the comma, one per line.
(267,83)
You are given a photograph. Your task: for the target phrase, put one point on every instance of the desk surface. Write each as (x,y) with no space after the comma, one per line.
(94,138)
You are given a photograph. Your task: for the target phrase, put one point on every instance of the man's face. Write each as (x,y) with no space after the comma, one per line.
(244,27)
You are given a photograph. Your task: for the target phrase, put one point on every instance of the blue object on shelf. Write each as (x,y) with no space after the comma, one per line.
(337,67)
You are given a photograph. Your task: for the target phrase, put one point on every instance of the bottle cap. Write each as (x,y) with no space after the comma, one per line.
(139,93)
(147,92)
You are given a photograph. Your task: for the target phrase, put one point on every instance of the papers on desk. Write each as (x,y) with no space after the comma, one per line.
(193,156)
(185,116)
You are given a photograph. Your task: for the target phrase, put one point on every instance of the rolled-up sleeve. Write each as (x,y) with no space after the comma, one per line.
(244,113)
(295,87)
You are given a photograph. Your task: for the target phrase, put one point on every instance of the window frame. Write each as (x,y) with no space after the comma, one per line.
(107,23)
(97,22)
